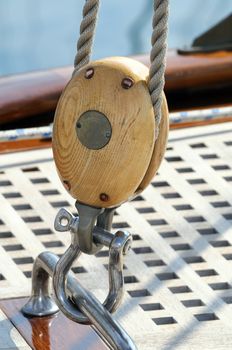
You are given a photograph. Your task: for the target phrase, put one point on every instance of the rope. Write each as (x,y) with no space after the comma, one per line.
(157,57)
(87,30)
(158,51)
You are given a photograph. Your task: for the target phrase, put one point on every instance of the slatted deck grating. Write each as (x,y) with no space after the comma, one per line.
(178,276)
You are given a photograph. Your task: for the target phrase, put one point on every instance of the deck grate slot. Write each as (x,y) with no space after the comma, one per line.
(221,167)
(228,143)
(79,269)
(228,216)
(24,260)
(138,199)
(27,274)
(174,159)
(30,170)
(206,317)
(22,206)
(192,303)
(53,244)
(181,246)
(42,231)
(146,210)
(130,279)
(31,219)
(219,244)
(227,300)
(180,289)
(165,276)
(171,195)
(209,156)
(50,192)
(208,193)
(5,183)
(194,259)
(136,238)
(60,204)
(123,224)
(13,247)
(207,231)
(220,204)
(40,180)
(206,272)
(6,234)
(169,234)
(151,306)
(9,195)
(193,219)
(143,250)
(160,184)
(183,207)
(154,263)
(157,222)
(196,181)
(139,293)
(227,256)
(220,285)
(160,321)
(102,253)
(198,145)
(185,170)
(228,178)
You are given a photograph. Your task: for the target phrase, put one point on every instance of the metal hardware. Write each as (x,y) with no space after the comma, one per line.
(87,220)
(117,244)
(97,315)
(72,301)
(93,130)
(127,83)
(89,73)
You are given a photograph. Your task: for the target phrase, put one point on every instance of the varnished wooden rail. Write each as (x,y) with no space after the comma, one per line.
(191,82)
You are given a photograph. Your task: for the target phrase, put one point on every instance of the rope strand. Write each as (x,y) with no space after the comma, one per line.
(157,57)
(87,30)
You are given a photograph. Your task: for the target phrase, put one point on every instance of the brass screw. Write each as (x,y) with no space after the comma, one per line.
(67,185)
(89,73)
(127,83)
(104,197)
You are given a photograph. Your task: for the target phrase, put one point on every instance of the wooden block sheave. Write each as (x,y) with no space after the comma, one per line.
(113,174)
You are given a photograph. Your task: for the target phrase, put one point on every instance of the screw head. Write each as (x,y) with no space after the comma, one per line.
(104,197)
(89,73)
(127,83)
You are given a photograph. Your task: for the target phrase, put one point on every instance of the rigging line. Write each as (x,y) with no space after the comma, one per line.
(158,51)
(87,31)
(158,57)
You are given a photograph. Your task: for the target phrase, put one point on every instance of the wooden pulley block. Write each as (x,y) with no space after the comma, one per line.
(104,133)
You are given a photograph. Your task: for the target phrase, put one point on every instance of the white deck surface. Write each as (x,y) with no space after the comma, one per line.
(179,272)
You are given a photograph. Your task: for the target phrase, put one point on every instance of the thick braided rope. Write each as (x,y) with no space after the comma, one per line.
(157,57)
(87,30)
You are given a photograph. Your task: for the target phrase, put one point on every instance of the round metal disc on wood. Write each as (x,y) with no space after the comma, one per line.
(105,172)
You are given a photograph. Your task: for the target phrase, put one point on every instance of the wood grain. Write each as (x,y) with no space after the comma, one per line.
(51,333)
(118,168)
(159,148)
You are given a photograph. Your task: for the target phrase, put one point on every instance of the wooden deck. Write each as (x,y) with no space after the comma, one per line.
(178,276)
